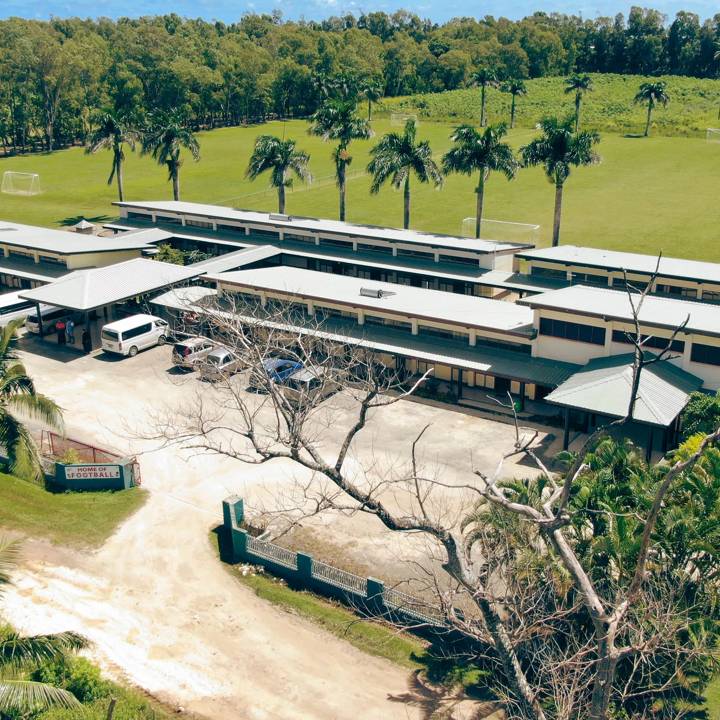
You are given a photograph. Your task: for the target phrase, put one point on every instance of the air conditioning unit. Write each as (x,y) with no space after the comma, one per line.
(281,217)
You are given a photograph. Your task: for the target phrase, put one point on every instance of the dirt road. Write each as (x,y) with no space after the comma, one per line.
(158,606)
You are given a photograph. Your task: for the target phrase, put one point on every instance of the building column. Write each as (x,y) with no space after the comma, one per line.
(460,383)
(40,320)
(522,396)
(566,429)
(649,448)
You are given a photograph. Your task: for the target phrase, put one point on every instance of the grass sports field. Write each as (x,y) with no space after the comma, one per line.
(649,194)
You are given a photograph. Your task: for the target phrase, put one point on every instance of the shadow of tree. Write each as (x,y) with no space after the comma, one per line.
(75,219)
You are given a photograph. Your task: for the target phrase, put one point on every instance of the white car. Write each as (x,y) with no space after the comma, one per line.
(132,334)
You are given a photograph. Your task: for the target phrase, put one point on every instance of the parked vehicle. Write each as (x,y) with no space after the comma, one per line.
(13,307)
(277,369)
(49,315)
(132,334)
(188,353)
(311,384)
(219,364)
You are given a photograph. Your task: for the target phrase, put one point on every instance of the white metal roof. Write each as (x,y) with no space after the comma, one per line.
(87,289)
(234,260)
(604,385)
(420,303)
(609,260)
(63,242)
(318,225)
(609,304)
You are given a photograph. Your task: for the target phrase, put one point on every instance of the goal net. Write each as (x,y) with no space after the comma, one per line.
(712,135)
(502,231)
(20,183)
(400,119)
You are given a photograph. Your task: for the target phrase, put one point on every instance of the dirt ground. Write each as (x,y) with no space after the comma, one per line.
(160,609)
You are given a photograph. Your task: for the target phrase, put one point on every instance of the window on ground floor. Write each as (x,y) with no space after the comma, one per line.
(708,354)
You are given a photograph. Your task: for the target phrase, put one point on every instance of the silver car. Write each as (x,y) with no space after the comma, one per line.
(219,364)
(188,353)
(310,385)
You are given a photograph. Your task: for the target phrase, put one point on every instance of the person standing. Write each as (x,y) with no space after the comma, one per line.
(70,331)
(86,341)
(60,329)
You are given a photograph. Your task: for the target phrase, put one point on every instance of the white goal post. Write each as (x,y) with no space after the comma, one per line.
(399,119)
(20,183)
(502,230)
(712,135)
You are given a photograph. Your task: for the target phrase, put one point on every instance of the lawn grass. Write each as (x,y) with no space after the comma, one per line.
(712,699)
(647,195)
(76,519)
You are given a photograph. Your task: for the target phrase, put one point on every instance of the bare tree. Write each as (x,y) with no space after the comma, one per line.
(510,557)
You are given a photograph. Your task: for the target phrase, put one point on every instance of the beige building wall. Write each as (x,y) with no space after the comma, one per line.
(86,260)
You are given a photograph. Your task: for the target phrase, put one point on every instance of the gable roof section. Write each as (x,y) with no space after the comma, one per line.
(604,385)
(87,289)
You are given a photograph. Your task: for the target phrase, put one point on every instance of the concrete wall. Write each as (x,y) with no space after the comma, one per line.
(84,260)
(125,479)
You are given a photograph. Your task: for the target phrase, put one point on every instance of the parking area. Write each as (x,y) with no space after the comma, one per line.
(196,654)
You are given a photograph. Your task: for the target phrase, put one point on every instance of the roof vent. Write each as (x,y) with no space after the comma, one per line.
(375,292)
(280,216)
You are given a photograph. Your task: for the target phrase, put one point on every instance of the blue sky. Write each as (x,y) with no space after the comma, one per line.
(437,10)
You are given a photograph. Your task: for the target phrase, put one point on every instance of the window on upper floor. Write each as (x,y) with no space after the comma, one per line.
(651,341)
(572,331)
(708,354)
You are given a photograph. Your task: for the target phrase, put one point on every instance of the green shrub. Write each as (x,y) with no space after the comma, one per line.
(76,674)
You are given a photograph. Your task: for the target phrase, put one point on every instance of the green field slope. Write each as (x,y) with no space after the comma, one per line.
(648,195)
(693,107)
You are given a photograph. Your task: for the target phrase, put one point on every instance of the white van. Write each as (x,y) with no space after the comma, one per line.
(13,307)
(50,314)
(131,334)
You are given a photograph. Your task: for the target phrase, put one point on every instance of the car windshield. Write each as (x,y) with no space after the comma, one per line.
(217,360)
(110,334)
(182,350)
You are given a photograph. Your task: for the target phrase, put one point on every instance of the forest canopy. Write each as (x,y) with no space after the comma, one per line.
(55,75)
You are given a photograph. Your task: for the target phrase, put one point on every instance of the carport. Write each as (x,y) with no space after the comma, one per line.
(96,292)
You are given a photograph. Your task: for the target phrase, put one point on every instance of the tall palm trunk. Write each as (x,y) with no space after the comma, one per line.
(578,101)
(119,174)
(557,214)
(369,110)
(512,112)
(480,198)
(406,202)
(482,106)
(649,117)
(281,199)
(341,186)
(175,174)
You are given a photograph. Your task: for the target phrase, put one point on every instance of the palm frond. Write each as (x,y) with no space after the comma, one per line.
(21,651)
(9,557)
(27,696)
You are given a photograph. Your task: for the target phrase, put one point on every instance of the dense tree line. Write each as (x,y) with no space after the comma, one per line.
(54,76)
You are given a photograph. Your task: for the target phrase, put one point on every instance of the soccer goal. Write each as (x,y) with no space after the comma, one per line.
(20,183)
(502,230)
(712,135)
(400,119)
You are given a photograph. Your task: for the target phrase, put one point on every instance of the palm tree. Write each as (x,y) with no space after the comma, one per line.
(396,157)
(112,134)
(19,399)
(652,93)
(516,88)
(336,120)
(282,160)
(482,152)
(578,84)
(558,150)
(167,135)
(22,653)
(371,89)
(484,78)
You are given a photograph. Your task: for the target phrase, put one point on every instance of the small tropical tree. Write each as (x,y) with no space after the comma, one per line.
(578,84)
(516,89)
(484,78)
(23,653)
(337,120)
(482,152)
(652,93)
(371,89)
(113,133)
(282,161)
(20,400)
(558,150)
(164,140)
(396,157)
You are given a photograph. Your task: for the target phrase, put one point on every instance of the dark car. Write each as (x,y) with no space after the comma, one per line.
(276,369)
